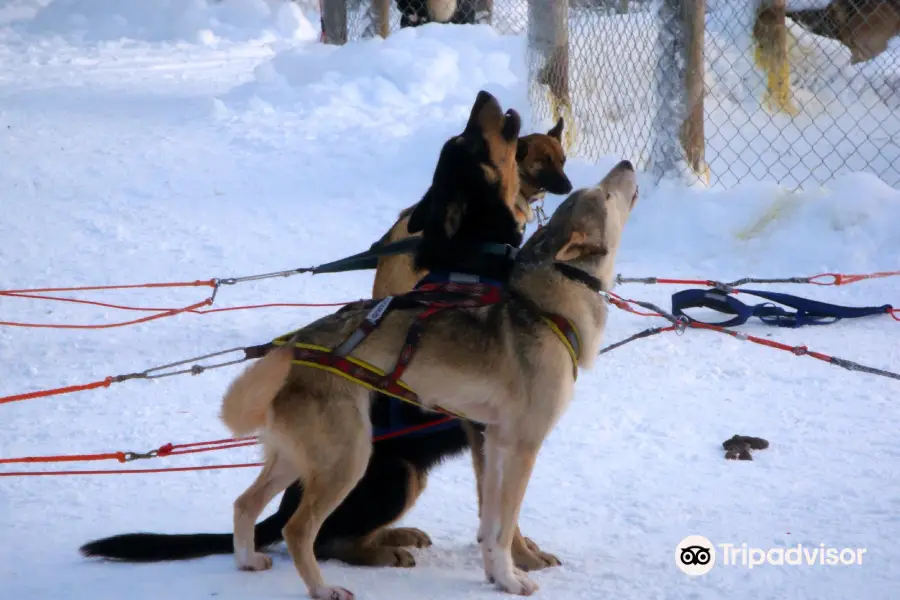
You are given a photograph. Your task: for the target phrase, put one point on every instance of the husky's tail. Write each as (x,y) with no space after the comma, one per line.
(247,401)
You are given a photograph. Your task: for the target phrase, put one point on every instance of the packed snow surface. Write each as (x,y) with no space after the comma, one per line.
(166,141)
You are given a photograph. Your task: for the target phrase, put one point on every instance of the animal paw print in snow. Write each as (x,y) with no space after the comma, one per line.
(739,446)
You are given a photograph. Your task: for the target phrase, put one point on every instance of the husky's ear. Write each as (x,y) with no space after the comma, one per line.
(557,130)
(579,246)
(419,214)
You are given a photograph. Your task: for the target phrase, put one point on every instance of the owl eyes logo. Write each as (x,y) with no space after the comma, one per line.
(695,555)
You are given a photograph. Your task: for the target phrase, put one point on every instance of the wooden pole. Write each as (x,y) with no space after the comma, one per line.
(381,10)
(334,21)
(692,132)
(548,36)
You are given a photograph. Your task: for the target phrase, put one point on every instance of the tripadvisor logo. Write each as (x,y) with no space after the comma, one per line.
(696,555)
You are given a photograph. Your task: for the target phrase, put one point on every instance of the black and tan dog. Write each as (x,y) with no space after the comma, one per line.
(357,531)
(541,162)
(505,364)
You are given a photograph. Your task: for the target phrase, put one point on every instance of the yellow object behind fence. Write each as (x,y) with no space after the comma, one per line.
(772,57)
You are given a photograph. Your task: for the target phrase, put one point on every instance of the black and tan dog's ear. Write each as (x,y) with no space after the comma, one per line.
(485,111)
(579,246)
(557,130)
(521,149)
(419,215)
(453,218)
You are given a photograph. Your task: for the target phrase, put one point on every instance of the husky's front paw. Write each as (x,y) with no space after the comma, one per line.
(331,593)
(528,556)
(257,561)
(515,582)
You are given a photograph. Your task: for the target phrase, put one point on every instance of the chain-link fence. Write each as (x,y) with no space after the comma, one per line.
(796,91)
(792,90)
(822,98)
(368,18)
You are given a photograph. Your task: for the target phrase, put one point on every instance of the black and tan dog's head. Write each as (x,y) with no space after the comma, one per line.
(542,162)
(586,230)
(473,191)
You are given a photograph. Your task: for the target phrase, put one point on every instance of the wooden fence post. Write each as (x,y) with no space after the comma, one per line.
(334,21)
(548,35)
(678,135)
(381,14)
(693,139)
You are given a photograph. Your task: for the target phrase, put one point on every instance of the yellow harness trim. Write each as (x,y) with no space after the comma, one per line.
(363,364)
(282,340)
(562,337)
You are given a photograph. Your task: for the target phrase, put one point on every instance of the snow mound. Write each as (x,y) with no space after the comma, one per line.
(852,222)
(20,10)
(414,77)
(195,21)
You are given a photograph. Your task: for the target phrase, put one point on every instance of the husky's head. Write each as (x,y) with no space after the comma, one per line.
(586,230)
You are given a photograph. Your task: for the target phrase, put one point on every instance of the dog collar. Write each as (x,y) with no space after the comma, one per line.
(505,250)
(579,275)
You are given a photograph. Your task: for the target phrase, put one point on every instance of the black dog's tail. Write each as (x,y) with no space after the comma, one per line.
(155,547)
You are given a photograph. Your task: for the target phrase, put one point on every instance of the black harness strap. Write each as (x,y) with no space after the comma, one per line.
(369,259)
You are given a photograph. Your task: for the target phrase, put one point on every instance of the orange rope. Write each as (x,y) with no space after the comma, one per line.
(168,313)
(165,312)
(79,301)
(153,309)
(174,449)
(839,279)
(625,304)
(127,471)
(56,391)
(120,456)
(167,452)
(198,283)
(824,279)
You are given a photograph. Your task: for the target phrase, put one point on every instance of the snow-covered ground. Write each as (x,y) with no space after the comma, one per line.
(223,141)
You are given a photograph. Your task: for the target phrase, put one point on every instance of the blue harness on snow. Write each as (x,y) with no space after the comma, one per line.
(808,312)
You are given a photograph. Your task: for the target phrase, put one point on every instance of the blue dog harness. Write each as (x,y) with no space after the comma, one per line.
(808,312)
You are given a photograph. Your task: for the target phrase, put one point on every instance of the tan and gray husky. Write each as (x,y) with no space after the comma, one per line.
(360,530)
(501,364)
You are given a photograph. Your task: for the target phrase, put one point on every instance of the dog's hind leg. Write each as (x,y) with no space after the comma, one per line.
(333,470)
(277,474)
(406,537)
(356,532)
